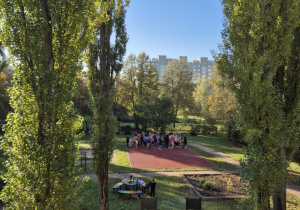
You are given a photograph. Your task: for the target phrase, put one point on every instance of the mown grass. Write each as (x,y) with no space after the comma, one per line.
(219,144)
(171,192)
(85,141)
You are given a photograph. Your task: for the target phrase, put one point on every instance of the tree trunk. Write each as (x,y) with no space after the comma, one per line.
(279,199)
(175,116)
(136,122)
(263,200)
(103,188)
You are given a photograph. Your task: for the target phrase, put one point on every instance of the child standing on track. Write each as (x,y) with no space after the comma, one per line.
(148,142)
(159,142)
(136,143)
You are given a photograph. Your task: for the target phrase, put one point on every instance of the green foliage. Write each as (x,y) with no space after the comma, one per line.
(177,84)
(4,98)
(260,61)
(208,185)
(201,94)
(229,184)
(104,61)
(195,126)
(296,156)
(201,181)
(40,139)
(158,113)
(137,86)
(222,104)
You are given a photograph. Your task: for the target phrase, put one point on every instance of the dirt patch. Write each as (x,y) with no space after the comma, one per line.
(217,185)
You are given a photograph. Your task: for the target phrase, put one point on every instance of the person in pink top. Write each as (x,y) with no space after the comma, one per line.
(172,139)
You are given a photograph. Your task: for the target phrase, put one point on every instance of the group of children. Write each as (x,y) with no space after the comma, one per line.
(169,140)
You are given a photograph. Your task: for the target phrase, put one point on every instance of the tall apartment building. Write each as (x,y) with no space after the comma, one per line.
(200,68)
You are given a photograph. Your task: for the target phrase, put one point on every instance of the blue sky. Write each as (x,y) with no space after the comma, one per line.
(174,27)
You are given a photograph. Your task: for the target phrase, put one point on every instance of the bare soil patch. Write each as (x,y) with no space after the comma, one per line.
(221,185)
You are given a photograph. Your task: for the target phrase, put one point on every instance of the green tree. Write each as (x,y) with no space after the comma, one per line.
(260,56)
(222,104)
(104,61)
(139,83)
(4,98)
(120,105)
(128,87)
(202,92)
(161,113)
(177,84)
(157,113)
(3,61)
(81,99)
(142,111)
(129,83)
(146,76)
(46,39)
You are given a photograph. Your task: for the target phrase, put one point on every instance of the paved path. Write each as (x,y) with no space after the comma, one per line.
(157,174)
(293,189)
(217,154)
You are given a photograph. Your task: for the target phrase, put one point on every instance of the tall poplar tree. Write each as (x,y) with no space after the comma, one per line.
(46,39)
(260,57)
(140,82)
(104,60)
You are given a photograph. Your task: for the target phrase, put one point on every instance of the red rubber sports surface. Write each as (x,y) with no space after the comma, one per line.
(144,158)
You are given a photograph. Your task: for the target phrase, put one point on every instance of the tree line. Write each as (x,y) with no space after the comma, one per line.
(253,91)
(155,101)
(48,42)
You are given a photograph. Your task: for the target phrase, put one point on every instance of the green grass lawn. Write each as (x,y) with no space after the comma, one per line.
(85,141)
(219,144)
(171,192)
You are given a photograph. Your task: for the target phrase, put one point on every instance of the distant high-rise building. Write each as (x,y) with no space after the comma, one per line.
(200,68)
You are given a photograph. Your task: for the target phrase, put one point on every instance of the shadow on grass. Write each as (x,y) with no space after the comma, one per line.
(171,192)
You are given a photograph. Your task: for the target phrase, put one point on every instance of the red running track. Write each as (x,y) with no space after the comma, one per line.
(144,158)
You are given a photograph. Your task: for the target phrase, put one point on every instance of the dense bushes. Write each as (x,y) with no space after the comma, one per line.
(126,129)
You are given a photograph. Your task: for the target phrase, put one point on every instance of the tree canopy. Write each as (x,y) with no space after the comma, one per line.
(260,57)
(46,39)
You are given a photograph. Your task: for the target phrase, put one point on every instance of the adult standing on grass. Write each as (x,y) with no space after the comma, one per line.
(184,142)
(166,140)
(152,188)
